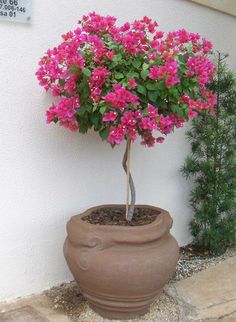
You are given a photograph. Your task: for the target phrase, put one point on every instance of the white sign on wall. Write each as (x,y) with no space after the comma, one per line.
(16,10)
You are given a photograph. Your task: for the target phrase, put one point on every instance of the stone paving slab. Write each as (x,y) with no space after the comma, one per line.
(23,314)
(209,295)
(36,308)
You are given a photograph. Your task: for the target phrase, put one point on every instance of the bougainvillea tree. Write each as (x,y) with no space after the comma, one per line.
(127,81)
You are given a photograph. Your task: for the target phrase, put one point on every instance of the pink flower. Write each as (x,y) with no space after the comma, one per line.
(57,90)
(64,112)
(70,84)
(95,23)
(166,124)
(98,76)
(96,94)
(206,46)
(152,55)
(121,97)
(132,134)
(128,119)
(152,111)
(147,124)
(96,82)
(192,114)
(155,73)
(116,134)
(138,114)
(125,27)
(172,80)
(148,139)
(201,67)
(132,83)
(109,116)
(68,36)
(154,44)
(171,67)
(110,54)
(160,139)
(159,34)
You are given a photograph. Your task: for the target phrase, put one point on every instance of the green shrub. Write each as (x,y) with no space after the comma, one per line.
(212,166)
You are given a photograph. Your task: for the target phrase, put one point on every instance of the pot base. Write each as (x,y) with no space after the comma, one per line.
(115,308)
(123,315)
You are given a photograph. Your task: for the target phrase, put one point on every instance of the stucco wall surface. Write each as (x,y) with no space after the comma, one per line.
(47,173)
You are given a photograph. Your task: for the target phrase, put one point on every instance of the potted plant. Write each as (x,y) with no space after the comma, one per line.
(125,82)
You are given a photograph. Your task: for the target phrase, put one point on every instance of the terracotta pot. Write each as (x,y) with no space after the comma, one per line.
(120,270)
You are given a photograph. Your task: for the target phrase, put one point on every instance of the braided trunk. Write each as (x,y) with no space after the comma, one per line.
(130,184)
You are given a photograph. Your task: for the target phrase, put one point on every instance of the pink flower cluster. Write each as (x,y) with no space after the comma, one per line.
(133,37)
(112,74)
(201,67)
(55,65)
(198,105)
(133,122)
(121,98)
(94,23)
(169,71)
(65,112)
(96,82)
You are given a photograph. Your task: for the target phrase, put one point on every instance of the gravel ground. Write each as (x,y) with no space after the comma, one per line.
(67,298)
(190,264)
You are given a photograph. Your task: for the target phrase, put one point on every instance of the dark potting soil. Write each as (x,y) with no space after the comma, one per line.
(116,216)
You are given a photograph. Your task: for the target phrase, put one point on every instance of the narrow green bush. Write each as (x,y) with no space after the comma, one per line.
(212,166)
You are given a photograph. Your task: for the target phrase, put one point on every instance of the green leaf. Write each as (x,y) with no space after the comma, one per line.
(136,64)
(185,83)
(175,108)
(163,94)
(152,96)
(181,58)
(141,89)
(152,86)
(133,107)
(144,74)
(95,107)
(162,85)
(113,64)
(102,109)
(62,81)
(83,127)
(119,75)
(74,69)
(95,118)
(86,72)
(180,113)
(104,133)
(145,66)
(117,58)
(84,90)
(80,111)
(174,92)
(132,74)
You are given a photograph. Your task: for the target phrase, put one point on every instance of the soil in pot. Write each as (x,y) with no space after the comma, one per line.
(116,216)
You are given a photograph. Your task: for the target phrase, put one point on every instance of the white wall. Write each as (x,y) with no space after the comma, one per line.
(47,173)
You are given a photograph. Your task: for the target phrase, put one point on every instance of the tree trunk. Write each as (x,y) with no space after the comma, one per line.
(130,183)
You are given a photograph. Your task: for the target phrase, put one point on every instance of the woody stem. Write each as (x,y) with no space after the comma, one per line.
(130,184)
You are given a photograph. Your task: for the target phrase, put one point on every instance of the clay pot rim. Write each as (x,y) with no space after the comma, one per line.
(162,214)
